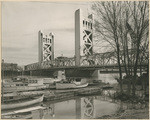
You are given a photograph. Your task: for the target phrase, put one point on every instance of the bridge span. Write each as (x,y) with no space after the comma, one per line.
(105,62)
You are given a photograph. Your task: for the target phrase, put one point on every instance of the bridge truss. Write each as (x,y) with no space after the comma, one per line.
(108,59)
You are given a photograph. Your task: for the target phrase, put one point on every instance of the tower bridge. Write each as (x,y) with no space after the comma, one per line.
(85,59)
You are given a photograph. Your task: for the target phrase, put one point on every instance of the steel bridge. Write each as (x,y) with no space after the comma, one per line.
(84,58)
(106,60)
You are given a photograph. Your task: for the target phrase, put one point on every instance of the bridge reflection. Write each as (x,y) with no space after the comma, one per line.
(79,108)
(85,108)
(82,108)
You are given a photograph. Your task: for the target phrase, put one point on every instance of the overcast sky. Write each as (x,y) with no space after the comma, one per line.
(21,22)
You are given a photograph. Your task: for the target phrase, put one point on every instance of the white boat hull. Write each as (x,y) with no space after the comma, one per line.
(6,106)
(23,88)
(29,109)
(69,85)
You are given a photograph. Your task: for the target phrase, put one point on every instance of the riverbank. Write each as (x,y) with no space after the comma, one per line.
(138,105)
(127,109)
(142,113)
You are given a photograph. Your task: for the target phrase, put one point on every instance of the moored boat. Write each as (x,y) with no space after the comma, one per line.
(23,84)
(23,88)
(28,116)
(21,95)
(71,84)
(21,103)
(23,113)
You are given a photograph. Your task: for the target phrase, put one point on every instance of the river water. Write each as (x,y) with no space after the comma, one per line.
(78,108)
(88,107)
(85,107)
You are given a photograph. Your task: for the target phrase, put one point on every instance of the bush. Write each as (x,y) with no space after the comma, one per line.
(128,98)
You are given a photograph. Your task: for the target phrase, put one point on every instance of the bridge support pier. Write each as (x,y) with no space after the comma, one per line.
(60,74)
(96,75)
(79,73)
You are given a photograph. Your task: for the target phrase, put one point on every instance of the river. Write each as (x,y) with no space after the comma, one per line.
(85,107)
(78,108)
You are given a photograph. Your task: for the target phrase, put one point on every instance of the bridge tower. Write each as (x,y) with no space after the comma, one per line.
(46,47)
(83,36)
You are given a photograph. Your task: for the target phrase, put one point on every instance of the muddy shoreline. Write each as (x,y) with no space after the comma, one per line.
(142,113)
(135,109)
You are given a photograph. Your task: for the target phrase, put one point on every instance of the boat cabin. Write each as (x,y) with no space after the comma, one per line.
(23,81)
(35,82)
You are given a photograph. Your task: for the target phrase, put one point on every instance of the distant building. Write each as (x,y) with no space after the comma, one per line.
(61,58)
(60,61)
(10,69)
(9,66)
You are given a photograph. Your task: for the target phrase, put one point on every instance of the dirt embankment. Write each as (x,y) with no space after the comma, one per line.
(129,114)
(140,102)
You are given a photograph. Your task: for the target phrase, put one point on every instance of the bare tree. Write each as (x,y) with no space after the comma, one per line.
(138,28)
(106,24)
(124,25)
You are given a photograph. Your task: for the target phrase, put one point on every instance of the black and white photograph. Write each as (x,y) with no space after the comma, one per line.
(74,59)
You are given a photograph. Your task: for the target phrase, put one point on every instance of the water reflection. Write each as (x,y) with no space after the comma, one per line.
(88,107)
(85,108)
(81,108)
